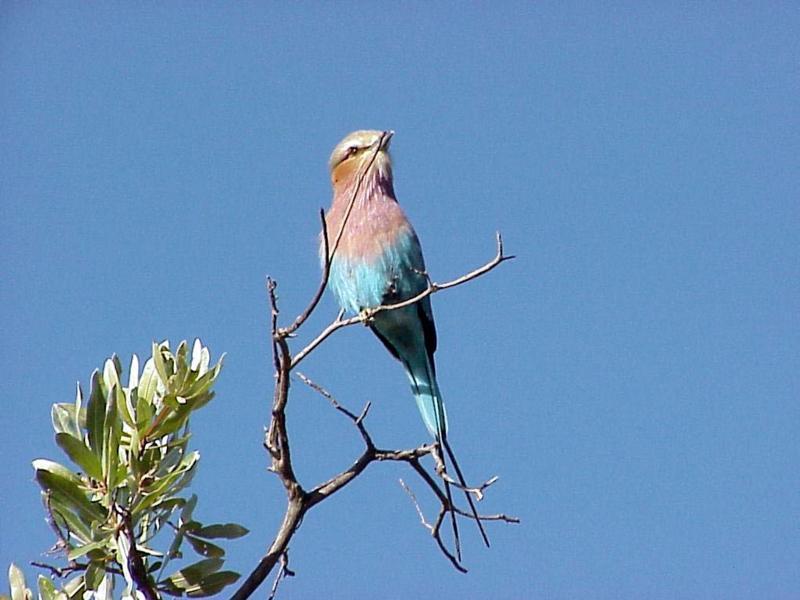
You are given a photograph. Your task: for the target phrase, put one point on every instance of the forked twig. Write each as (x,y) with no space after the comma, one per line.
(283,573)
(358,420)
(435,528)
(412,457)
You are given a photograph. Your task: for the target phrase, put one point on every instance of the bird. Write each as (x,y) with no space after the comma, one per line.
(375,259)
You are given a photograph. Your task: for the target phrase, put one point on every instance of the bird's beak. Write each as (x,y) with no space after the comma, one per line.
(385,138)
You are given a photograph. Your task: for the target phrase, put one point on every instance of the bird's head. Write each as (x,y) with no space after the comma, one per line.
(355,152)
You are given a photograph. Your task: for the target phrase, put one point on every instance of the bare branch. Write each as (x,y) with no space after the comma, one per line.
(432,288)
(337,323)
(291,520)
(72,567)
(436,287)
(277,441)
(358,421)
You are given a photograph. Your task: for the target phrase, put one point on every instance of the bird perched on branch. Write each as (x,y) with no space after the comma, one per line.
(377,260)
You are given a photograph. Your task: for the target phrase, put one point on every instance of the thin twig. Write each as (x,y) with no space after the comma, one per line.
(432,288)
(326,273)
(352,202)
(416,505)
(273,320)
(328,257)
(436,528)
(71,568)
(283,572)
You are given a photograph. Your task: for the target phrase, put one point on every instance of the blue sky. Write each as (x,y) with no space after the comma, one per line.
(632,377)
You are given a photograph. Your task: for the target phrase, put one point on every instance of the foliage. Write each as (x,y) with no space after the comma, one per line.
(130,445)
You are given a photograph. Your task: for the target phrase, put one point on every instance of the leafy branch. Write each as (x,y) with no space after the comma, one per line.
(130,444)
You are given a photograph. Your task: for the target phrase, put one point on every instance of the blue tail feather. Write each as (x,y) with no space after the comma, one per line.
(426,393)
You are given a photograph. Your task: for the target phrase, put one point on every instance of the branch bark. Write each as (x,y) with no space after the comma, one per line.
(135,565)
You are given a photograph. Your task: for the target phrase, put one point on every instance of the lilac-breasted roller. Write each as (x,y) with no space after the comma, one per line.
(378,261)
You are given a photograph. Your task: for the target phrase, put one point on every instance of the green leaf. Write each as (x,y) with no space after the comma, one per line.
(144,410)
(182,352)
(95,415)
(65,418)
(110,373)
(124,407)
(117,364)
(86,548)
(201,400)
(78,404)
(213,584)
(133,373)
(148,384)
(113,428)
(168,485)
(94,575)
(222,530)
(203,383)
(16,581)
(170,460)
(171,401)
(42,464)
(154,566)
(188,508)
(67,519)
(200,357)
(74,587)
(162,364)
(155,495)
(173,422)
(47,589)
(175,547)
(204,548)
(81,455)
(194,573)
(181,367)
(72,494)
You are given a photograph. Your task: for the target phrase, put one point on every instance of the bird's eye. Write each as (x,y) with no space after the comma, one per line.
(350,151)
